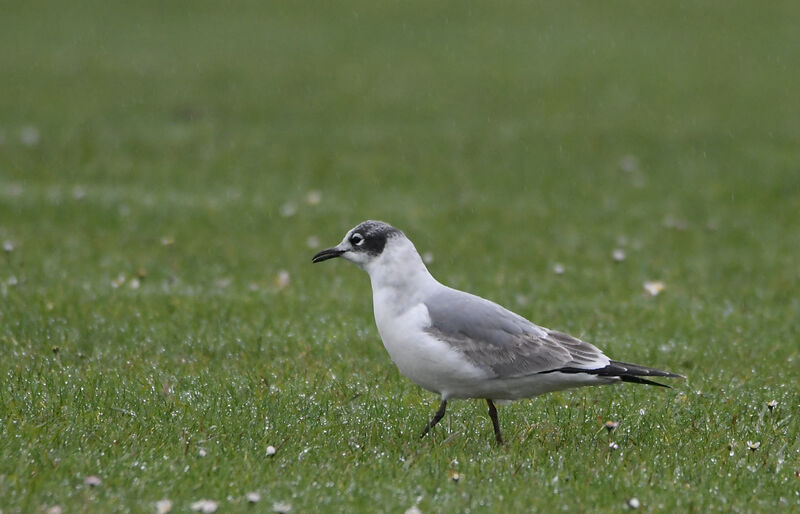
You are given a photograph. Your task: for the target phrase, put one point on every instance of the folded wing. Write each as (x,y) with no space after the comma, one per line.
(502,343)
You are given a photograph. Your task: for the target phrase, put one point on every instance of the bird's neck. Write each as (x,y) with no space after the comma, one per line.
(401,274)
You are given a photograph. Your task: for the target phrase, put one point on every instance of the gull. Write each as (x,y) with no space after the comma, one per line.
(462,346)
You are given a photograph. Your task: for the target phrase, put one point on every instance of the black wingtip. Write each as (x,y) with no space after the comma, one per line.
(626,372)
(639,380)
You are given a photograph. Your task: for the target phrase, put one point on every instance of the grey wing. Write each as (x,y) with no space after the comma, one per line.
(504,344)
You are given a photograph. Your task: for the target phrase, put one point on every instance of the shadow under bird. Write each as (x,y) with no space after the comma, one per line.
(463,346)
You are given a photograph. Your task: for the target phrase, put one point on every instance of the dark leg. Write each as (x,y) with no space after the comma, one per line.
(495,423)
(436,418)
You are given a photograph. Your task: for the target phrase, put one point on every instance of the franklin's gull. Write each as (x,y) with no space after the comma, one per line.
(459,345)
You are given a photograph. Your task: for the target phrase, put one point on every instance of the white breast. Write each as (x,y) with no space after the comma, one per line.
(428,362)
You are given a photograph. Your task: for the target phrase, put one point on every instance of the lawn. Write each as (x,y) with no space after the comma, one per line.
(167,170)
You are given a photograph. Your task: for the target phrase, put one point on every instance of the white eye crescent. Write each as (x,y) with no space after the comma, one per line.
(357,239)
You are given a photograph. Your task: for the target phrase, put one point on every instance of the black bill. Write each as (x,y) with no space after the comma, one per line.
(328,253)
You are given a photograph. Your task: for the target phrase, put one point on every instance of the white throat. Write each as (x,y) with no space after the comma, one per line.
(399,277)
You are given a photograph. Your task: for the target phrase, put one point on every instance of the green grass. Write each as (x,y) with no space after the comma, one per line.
(492,134)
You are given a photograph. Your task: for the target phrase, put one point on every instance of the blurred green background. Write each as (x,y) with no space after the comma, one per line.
(167,169)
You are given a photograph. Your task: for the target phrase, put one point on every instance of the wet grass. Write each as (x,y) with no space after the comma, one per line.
(155,169)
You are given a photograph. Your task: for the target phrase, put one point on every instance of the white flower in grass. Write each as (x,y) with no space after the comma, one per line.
(202,452)
(15,190)
(281,507)
(312,242)
(558,268)
(8,246)
(772,404)
(163,506)
(653,287)
(313,197)
(205,506)
(283,279)
(629,163)
(753,445)
(120,280)
(55,509)
(618,255)
(611,425)
(271,451)
(92,481)
(413,510)
(613,446)
(288,210)
(633,503)
(674,223)
(29,135)
(253,497)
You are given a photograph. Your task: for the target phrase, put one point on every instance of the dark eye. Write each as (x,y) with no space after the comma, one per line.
(356,239)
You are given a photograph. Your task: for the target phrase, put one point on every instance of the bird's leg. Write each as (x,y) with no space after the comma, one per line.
(495,423)
(436,418)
